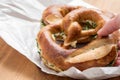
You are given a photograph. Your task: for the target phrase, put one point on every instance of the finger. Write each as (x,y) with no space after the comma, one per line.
(117,62)
(110,26)
(119,45)
(118,53)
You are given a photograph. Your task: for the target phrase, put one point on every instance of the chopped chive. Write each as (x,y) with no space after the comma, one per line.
(42,24)
(88,24)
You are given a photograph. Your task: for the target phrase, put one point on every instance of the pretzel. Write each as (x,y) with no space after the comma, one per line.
(76,20)
(55,13)
(61,56)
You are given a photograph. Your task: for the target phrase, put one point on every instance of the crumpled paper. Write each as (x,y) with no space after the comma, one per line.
(19,25)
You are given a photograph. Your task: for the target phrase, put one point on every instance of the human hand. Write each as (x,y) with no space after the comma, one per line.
(111,26)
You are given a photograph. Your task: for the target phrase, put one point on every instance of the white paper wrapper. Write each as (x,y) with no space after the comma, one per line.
(19,25)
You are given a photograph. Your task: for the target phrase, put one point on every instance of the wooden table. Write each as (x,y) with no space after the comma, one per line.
(14,66)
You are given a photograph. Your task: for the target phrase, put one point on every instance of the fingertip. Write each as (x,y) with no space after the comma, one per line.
(102,33)
(99,33)
(117,63)
(119,53)
(119,44)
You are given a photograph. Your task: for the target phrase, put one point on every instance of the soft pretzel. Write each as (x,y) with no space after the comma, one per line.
(99,52)
(55,13)
(59,57)
(77,19)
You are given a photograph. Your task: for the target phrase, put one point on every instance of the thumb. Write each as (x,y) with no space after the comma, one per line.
(111,26)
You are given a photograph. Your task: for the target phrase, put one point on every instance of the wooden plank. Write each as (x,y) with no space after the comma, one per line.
(14,66)
(109,5)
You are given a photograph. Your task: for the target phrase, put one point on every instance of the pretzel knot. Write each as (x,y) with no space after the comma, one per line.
(55,13)
(57,40)
(81,25)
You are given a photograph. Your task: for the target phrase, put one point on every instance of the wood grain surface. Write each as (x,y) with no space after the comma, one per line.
(14,66)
